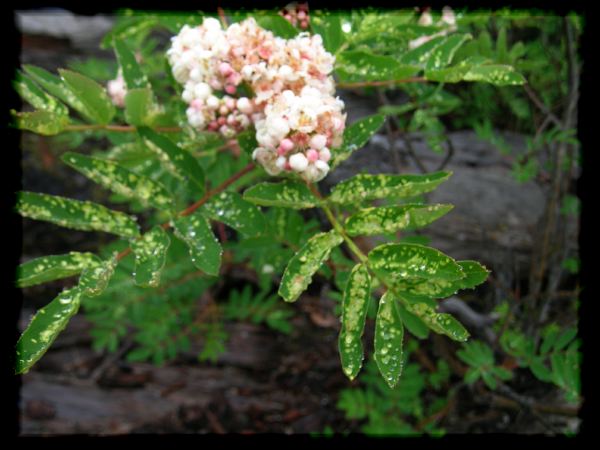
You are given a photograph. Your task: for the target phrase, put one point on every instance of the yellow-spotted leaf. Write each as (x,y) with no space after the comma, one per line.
(354,313)
(356,136)
(176,160)
(303,265)
(93,96)
(44,327)
(389,333)
(369,187)
(289,194)
(150,253)
(360,65)
(36,97)
(80,215)
(94,279)
(241,215)
(441,323)
(204,248)
(389,219)
(132,73)
(140,107)
(120,180)
(498,74)
(52,267)
(42,122)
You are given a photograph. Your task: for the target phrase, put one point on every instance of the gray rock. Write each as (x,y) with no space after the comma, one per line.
(82,31)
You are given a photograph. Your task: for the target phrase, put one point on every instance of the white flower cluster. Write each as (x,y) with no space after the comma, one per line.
(447,21)
(117,90)
(291,104)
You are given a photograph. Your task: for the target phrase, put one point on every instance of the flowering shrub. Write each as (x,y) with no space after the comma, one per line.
(263,87)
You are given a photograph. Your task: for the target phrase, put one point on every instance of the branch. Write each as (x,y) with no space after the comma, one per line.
(193,207)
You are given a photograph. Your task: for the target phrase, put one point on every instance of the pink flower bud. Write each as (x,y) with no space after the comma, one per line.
(312,155)
(225,69)
(215,83)
(212,126)
(264,52)
(197,104)
(301,15)
(221,120)
(325,154)
(286,144)
(230,89)
(304,24)
(287,166)
(231,119)
(230,103)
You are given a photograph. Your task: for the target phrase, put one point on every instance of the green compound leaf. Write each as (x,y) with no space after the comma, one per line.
(42,122)
(329,26)
(94,279)
(441,323)
(389,219)
(45,326)
(359,65)
(356,136)
(80,215)
(389,333)
(303,265)
(442,54)
(120,180)
(289,194)
(399,262)
(93,96)
(140,107)
(174,159)
(497,74)
(204,248)
(132,73)
(150,253)
(56,87)
(354,313)
(32,94)
(277,24)
(52,267)
(369,187)
(231,209)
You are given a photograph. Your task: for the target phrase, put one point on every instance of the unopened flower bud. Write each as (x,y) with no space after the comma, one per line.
(298,162)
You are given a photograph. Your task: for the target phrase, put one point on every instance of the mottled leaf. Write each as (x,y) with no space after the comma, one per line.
(452,74)
(36,97)
(389,219)
(204,248)
(329,26)
(475,274)
(289,194)
(497,74)
(128,27)
(42,122)
(412,323)
(354,313)
(359,65)
(132,73)
(398,262)
(356,136)
(150,253)
(93,96)
(80,215)
(94,279)
(45,326)
(303,265)
(120,180)
(52,267)
(55,86)
(140,108)
(389,333)
(441,323)
(442,54)
(421,54)
(176,160)
(231,209)
(369,187)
